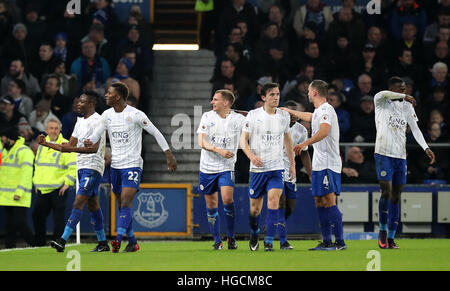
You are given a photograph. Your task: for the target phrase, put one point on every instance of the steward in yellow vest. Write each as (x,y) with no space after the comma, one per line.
(16,174)
(54,173)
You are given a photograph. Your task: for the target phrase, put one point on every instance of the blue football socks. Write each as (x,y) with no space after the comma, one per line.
(281,227)
(97,224)
(394,217)
(229,218)
(123,223)
(325,225)
(214,223)
(71,223)
(383,213)
(271,225)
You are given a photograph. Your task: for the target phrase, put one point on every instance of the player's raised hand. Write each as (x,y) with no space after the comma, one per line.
(430,154)
(298,148)
(411,100)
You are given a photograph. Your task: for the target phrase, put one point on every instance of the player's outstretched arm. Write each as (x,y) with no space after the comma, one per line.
(305,116)
(70,147)
(209,147)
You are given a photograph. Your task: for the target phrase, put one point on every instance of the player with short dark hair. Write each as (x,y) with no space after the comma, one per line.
(267,130)
(90,165)
(326,164)
(124,124)
(392,117)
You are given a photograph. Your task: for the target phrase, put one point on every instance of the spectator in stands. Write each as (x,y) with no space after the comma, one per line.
(132,101)
(335,100)
(313,57)
(227,74)
(368,63)
(357,170)
(234,52)
(11,117)
(410,40)
(61,49)
(437,101)
(103,12)
(90,67)
(144,53)
(237,10)
(340,58)
(36,26)
(432,31)
(272,54)
(46,63)
(59,104)
(18,47)
(439,76)
(439,53)
(276,15)
(352,26)
(406,66)
(299,92)
(40,116)
(436,116)
(122,75)
(382,43)
(314,11)
(408,11)
(22,102)
(70,118)
(69,83)
(363,88)
(135,18)
(17,71)
(363,121)
(103,47)
(440,169)
(7,20)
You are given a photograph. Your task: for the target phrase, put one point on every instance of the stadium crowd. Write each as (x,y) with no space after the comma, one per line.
(292,42)
(48,57)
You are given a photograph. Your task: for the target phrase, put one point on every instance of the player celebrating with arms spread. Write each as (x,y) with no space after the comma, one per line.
(326,163)
(124,124)
(392,116)
(267,128)
(218,136)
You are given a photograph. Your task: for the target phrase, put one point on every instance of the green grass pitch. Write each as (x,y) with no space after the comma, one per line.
(414,254)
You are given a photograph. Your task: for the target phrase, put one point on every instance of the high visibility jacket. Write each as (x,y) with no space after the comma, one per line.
(53,169)
(1,151)
(16,175)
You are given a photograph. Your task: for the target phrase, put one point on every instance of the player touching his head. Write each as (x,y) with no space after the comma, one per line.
(124,124)
(218,136)
(90,165)
(267,129)
(326,163)
(392,116)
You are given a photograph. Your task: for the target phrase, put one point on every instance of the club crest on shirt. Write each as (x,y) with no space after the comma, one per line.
(128,119)
(150,211)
